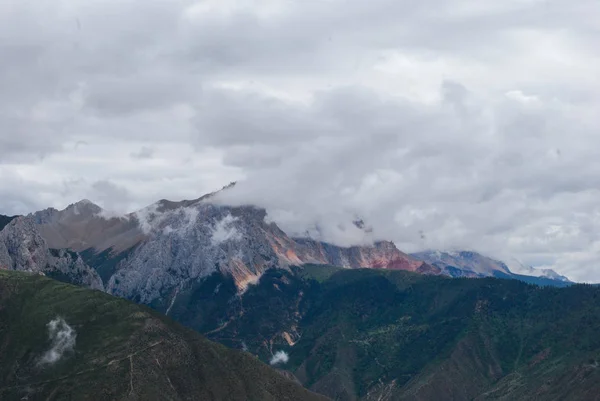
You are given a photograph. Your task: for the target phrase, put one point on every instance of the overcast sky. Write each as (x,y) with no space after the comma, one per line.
(443,124)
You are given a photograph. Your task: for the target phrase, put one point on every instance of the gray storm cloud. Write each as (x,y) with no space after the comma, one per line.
(462,124)
(62,340)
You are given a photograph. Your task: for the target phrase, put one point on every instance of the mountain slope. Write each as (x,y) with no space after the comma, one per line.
(369,334)
(110,349)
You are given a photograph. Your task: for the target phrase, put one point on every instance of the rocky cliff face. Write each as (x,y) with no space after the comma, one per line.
(382,255)
(185,243)
(23,248)
(188,243)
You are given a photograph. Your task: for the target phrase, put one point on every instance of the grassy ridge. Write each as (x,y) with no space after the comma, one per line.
(123,352)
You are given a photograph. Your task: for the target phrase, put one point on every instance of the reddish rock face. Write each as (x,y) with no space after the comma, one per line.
(382,255)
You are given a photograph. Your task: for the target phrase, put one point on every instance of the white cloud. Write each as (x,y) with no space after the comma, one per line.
(225,230)
(62,338)
(153,218)
(280,357)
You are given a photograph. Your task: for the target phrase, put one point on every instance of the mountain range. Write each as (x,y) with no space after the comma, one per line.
(353,323)
(151,253)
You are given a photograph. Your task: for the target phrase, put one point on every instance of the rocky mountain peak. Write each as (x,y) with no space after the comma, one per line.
(84,207)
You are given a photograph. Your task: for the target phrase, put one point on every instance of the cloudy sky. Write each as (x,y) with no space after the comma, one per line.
(443,124)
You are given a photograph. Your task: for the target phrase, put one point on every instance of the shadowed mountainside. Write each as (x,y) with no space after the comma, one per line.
(370,334)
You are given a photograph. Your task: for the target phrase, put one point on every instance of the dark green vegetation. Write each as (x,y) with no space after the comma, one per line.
(105,262)
(123,352)
(4,220)
(393,335)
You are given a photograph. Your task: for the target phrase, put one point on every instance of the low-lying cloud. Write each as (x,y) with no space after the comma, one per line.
(225,230)
(280,357)
(62,341)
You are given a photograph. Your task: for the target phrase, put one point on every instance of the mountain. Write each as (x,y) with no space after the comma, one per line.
(83,225)
(154,254)
(463,263)
(473,264)
(23,248)
(60,342)
(371,334)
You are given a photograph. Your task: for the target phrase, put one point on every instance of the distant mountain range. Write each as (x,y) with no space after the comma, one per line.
(154,254)
(473,264)
(149,255)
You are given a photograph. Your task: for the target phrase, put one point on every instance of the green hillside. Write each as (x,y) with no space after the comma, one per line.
(392,335)
(122,351)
